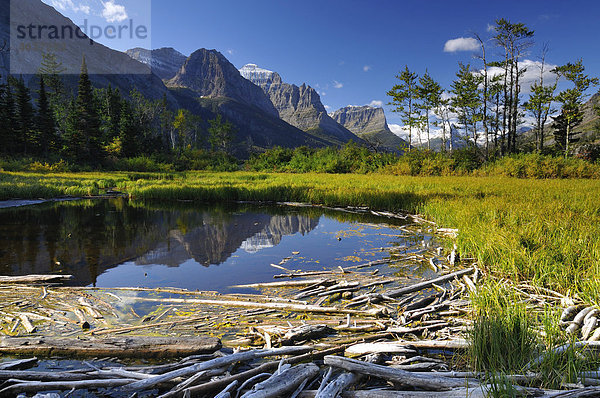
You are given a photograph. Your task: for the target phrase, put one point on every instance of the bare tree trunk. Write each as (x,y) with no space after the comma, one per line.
(485,98)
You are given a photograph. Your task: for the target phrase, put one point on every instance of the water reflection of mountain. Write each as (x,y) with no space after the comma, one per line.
(216,240)
(86,238)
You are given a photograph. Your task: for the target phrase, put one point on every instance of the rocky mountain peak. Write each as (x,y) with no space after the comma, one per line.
(361,119)
(211,75)
(370,124)
(165,62)
(299,106)
(260,76)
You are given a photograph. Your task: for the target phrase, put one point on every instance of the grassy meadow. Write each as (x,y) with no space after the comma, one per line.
(541,231)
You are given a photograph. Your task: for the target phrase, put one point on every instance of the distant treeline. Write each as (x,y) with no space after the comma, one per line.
(484,103)
(98,128)
(350,159)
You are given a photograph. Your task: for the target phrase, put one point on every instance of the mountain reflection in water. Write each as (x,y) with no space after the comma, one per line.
(122,243)
(87,237)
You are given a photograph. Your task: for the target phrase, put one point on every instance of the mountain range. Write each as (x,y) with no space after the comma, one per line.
(265,110)
(370,124)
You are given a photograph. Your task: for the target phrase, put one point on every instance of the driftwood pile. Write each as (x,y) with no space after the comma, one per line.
(355,331)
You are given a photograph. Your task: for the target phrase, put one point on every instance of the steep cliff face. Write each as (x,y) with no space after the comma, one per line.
(207,81)
(370,124)
(164,62)
(209,74)
(299,106)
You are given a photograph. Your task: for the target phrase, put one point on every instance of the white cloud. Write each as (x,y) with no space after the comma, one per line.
(65,5)
(461,44)
(327,107)
(491,28)
(376,104)
(337,84)
(230,52)
(322,93)
(114,12)
(531,75)
(398,130)
(367,68)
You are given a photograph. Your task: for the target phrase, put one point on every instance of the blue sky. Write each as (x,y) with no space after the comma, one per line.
(351,50)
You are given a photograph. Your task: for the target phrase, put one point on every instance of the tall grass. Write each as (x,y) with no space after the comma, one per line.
(542,231)
(502,338)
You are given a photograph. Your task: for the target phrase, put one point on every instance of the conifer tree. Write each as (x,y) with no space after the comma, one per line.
(127,132)
(430,93)
(47,138)
(7,115)
(467,99)
(221,134)
(404,98)
(25,137)
(571,99)
(87,121)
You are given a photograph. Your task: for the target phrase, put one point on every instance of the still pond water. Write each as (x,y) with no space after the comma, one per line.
(119,243)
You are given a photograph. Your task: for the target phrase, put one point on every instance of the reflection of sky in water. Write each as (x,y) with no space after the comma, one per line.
(319,249)
(117,243)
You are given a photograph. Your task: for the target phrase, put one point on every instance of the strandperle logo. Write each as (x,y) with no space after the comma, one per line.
(71,34)
(86,31)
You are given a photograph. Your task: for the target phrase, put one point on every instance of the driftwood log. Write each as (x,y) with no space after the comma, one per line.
(214,363)
(284,383)
(31,387)
(406,347)
(124,347)
(34,278)
(429,382)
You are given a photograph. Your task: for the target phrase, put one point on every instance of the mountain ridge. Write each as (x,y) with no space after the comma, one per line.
(300,106)
(370,124)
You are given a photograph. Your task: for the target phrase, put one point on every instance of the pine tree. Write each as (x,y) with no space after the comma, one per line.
(87,121)
(571,99)
(467,99)
(7,116)
(515,39)
(221,134)
(127,132)
(74,142)
(430,93)
(25,136)
(404,98)
(48,140)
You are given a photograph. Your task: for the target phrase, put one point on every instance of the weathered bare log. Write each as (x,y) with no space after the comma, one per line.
(579,393)
(214,363)
(407,347)
(273,306)
(124,347)
(29,387)
(385,347)
(283,383)
(19,364)
(305,332)
(569,313)
(431,383)
(418,329)
(474,392)
(428,284)
(281,284)
(343,381)
(32,375)
(145,326)
(266,367)
(35,278)
(226,393)
(588,345)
